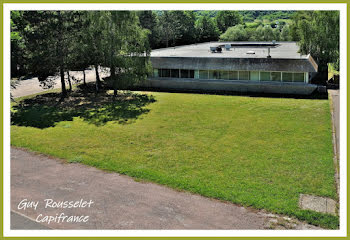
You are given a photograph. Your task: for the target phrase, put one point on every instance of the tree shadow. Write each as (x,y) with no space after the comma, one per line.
(46,110)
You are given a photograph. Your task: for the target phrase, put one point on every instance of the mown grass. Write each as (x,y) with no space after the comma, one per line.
(259,152)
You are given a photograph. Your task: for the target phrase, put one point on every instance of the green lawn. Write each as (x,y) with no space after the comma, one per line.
(259,152)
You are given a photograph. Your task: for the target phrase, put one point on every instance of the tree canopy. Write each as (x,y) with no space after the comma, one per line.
(318,34)
(226,19)
(59,41)
(206,29)
(46,43)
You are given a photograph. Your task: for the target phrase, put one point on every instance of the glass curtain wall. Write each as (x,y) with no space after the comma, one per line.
(231,75)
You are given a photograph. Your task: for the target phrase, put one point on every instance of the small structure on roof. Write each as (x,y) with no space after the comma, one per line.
(269,67)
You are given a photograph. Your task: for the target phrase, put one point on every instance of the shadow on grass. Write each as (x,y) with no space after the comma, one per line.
(46,110)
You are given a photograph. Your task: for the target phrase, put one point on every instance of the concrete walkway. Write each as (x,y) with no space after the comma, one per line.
(336,116)
(119,202)
(334,95)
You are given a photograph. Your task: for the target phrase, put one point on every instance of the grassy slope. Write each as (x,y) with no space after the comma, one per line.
(260,152)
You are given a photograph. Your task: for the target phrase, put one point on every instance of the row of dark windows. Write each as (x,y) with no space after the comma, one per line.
(176,73)
(231,75)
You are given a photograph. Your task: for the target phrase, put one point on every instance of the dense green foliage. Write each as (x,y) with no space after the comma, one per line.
(173,28)
(226,19)
(236,33)
(17,45)
(207,30)
(318,34)
(125,48)
(250,16)
(50,42)
(74,40)
(258,152)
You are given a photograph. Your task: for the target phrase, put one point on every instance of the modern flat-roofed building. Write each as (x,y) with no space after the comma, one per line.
(263,67)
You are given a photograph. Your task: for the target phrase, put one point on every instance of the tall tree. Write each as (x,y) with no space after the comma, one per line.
(206,29)
(48,36)
(170,28)
(93,37)
(149,20)
(319,36)
(17,44)
(226,19)
(185,21)
(276,32)
(285,33)
(126,49)
(177,27)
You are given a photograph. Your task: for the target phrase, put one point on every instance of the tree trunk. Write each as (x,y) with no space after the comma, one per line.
(114,81)
(115,92)
(167,39)
(112,72)
(70,84)
(63,83)
(98,81)
(84,78)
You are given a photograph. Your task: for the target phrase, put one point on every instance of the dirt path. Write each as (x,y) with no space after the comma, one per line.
(119,202)
(32,86)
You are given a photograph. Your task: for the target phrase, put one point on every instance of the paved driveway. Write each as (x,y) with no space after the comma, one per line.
(32,86)
(119,202)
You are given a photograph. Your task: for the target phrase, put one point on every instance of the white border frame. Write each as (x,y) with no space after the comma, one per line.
(342,7)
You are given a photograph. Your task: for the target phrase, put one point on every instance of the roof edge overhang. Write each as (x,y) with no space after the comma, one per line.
(313,62)
(232,64)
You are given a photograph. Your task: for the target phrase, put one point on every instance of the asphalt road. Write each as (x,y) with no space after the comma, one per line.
(119,202)
(21,222)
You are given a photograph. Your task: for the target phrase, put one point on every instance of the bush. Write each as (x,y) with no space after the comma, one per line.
(236,33)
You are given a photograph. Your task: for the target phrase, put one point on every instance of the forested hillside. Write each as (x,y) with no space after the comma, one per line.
(172,28)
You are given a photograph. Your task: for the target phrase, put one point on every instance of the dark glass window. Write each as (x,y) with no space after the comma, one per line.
(276,76)
(214,74)
(185,73)
(287,77)
(164,72)
(203,74)
(234,75)
(298,77)
(225,75)
(265,76)
(191,73)
(175,73)
(243,75)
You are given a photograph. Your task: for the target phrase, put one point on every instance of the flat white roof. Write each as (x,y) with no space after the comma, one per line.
(281,50)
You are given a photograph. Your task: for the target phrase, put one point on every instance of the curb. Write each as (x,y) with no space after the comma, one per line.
(334,141)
